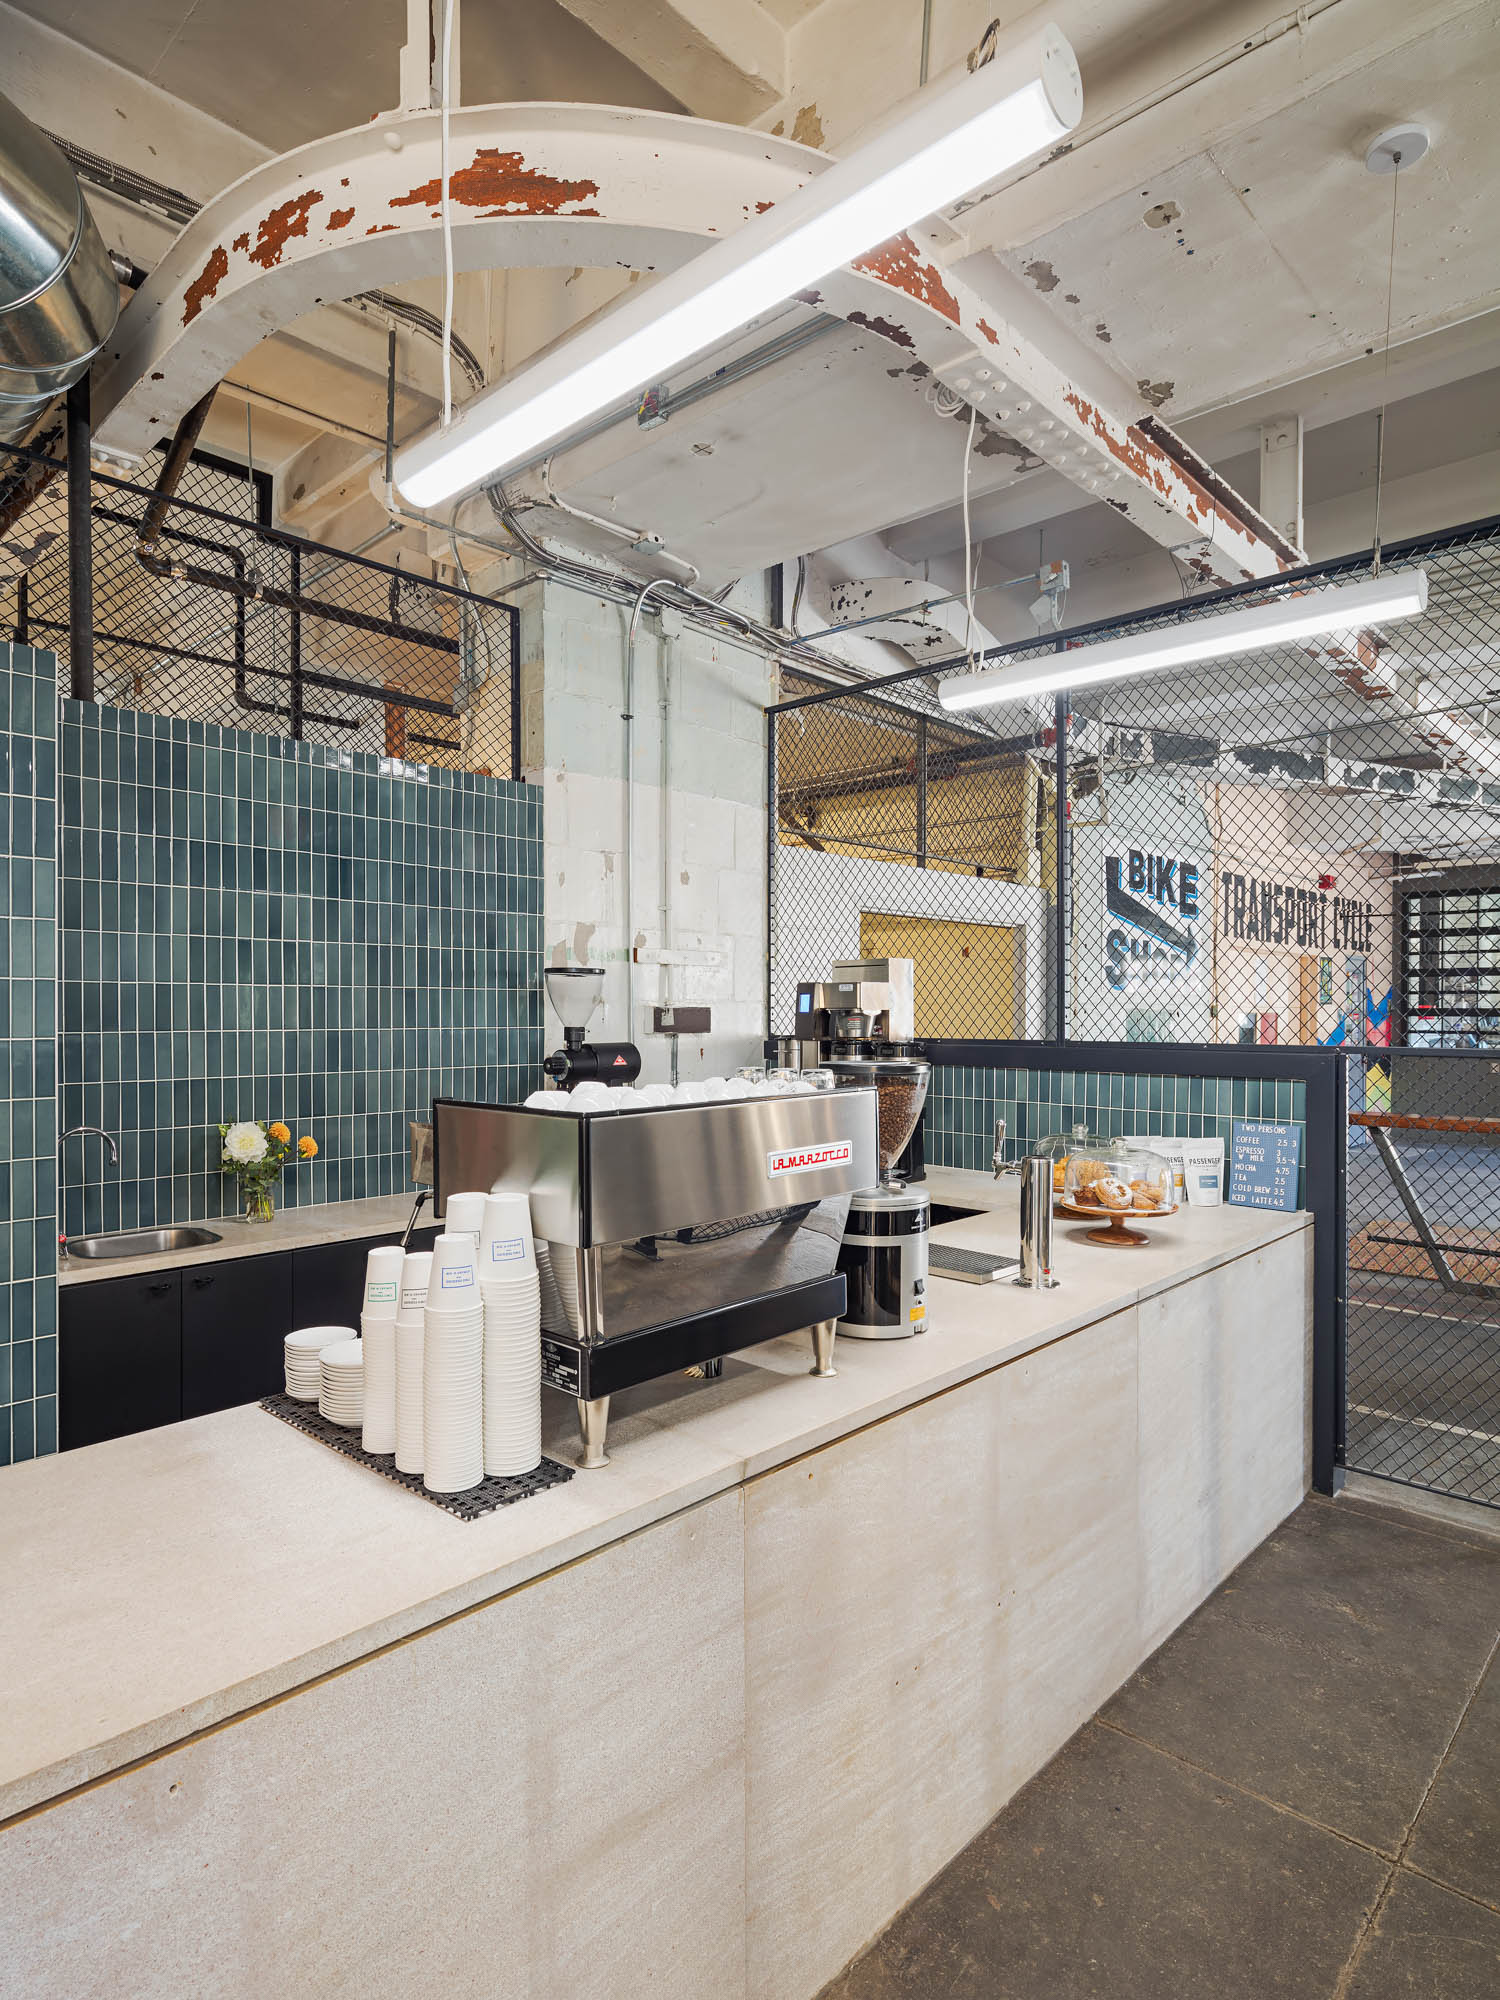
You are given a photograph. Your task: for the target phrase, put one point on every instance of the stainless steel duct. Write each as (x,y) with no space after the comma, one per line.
(59,296)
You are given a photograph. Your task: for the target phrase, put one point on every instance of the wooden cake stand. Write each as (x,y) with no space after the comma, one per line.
(1121,1234)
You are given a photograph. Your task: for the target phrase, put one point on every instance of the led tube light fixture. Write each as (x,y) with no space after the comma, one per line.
(1345,608)
(1024,99)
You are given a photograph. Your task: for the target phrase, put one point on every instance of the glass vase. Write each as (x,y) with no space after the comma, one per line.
(260,1202)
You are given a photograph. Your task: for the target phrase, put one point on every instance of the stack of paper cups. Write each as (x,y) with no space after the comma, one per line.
(377,1324)
(452,1370)
(511,1290)
(410,1315)
(464,1215)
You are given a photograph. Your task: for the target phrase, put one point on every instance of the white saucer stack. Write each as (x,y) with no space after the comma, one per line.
(342,1397)
(304,1378)
(452,1369)
(511,1289)
(409,1347)
(378,1325)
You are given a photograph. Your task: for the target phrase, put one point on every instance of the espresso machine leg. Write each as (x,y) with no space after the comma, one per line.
(593,1421)
(822,1346)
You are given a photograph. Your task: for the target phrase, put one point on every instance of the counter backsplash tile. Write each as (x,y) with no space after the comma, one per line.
(28,1121)
(963,1105)
(255,928)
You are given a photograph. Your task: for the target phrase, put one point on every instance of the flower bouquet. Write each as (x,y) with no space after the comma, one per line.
(255,1153)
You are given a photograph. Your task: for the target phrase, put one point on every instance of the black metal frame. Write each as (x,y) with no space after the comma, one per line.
(244,588)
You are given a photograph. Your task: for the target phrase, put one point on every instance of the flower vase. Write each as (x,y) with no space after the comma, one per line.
(260,1202)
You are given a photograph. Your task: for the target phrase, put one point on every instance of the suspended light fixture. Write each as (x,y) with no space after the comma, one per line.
(1379,600)
(1023,100)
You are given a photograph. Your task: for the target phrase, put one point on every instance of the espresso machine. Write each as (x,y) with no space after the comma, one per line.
(574,992)
(860,1023)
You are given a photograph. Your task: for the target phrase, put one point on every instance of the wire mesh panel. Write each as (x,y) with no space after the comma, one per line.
(901,832)
(202,610)
(1241,838)
(1423,1285)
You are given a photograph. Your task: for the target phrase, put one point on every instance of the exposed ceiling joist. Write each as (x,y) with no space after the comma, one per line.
(720,58)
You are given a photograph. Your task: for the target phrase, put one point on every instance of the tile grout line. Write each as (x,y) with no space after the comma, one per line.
(1247,1791)
(1372,1922)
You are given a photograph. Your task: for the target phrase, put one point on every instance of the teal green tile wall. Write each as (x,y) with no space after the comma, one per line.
(28,1141)
(963,1104)
(255,928)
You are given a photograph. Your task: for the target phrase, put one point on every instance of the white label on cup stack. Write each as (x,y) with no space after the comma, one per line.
(414,1297)
(379,1291)
(457,1279)
(507,1250)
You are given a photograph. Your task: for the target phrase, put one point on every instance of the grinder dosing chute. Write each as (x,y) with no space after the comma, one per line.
(574,992)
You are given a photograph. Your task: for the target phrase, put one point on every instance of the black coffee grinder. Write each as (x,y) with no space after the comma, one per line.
(575,991)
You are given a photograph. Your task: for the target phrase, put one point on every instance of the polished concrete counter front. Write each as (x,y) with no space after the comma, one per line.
(696,1723)
(288,1229)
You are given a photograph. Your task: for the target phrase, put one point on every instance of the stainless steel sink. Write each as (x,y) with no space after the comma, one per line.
(141,1242)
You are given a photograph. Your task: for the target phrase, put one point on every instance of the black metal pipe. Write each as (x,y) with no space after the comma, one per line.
(80,545)
(288,600)
(179,451)
(1060,875)
(922,793)
(23,594)
(295,657)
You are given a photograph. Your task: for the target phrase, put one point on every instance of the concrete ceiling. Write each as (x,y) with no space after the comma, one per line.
(286,71)
(1264,292)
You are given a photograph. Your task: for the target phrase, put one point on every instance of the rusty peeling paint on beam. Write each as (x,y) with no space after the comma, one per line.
(287,219)
(886,328)
(341,218)
(899,263)
(503,184)
(206,284)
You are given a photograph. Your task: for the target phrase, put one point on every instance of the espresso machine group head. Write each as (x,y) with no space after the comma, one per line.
(575,991)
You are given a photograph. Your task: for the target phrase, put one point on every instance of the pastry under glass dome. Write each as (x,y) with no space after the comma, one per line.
(1119,1185)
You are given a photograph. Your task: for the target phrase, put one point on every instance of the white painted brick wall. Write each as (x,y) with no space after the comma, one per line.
(717,839)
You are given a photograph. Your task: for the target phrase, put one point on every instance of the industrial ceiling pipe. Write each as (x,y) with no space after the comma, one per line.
(59,296)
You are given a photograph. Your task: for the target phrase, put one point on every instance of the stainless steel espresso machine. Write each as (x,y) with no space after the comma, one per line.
(861,1022)
(670,1235)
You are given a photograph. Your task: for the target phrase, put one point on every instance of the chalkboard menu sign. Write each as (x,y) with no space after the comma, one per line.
(1263,1163)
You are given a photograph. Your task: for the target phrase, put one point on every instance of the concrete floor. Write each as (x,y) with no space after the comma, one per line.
(1298,1796)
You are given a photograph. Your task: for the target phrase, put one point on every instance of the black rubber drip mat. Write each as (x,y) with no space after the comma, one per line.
(470,1506)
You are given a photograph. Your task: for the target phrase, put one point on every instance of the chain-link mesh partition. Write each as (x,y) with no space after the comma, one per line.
(1257,850)
(208,613)
(1423,1287)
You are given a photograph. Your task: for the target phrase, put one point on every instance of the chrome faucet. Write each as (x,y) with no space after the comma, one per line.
(997,1158)
(94,1131)
(74,1132)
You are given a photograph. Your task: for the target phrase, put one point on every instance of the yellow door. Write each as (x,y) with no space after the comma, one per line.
(968,976)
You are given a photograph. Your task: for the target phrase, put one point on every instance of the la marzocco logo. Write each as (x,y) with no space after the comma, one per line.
(809,1159)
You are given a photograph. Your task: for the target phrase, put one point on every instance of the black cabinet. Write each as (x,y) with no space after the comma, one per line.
(234,1318)
(137,1352)
(119,1357)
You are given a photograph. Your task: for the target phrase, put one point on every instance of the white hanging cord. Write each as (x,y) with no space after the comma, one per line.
(969,543)
(447,207)
(1385,381)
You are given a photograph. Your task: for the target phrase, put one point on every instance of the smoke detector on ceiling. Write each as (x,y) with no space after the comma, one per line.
(1399,146)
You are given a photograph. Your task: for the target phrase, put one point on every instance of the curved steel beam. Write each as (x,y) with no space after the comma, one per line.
(595,186)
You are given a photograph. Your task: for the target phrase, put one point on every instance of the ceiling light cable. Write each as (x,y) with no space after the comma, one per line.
(1385,380)
(447,206)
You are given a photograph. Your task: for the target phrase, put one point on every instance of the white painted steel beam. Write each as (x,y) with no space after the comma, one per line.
(594,186)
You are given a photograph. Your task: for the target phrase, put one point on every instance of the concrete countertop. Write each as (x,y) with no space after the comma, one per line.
(290,1229)
(159,1584)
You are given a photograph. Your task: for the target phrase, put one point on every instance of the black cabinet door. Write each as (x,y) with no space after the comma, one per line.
(119,1354)
(235,1317)
(328,1282)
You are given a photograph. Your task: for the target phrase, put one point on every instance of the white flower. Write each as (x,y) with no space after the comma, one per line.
(244,1144)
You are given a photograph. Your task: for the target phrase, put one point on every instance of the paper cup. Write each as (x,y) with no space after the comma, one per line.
(382,1281)
(453,1281)
(505,1236)
(415,1274)
(464,1213)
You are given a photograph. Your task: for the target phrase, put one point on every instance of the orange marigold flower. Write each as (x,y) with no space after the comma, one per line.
(279,1133)
(307,1146)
